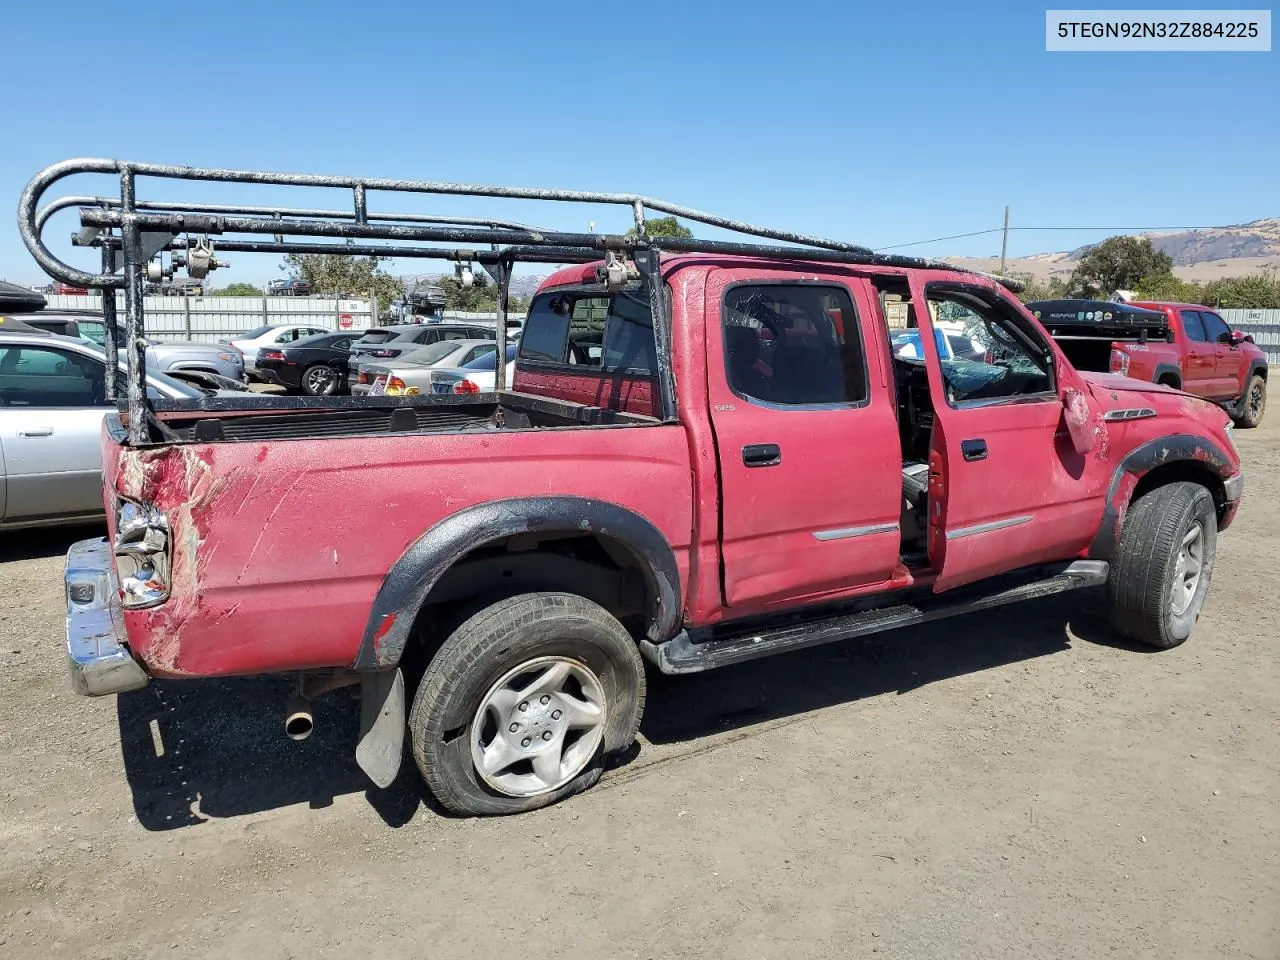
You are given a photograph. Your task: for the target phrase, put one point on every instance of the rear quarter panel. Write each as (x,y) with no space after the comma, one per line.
(280,547)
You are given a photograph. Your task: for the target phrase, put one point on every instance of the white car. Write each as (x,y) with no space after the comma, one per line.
(478,376)
(414,368)
(272,335)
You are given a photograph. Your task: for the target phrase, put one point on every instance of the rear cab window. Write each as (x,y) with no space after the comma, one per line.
(592,332)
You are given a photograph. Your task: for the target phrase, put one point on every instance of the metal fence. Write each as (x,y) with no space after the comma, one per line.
(210,318)
(1262,325)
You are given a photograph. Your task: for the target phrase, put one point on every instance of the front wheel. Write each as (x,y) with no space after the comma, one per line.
(524,702)
(319,380)
(1253,404)
(1163,565)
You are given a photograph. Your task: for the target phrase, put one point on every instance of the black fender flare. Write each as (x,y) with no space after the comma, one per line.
(1138,463)
(1168,369)
(406,586)
(1257,367)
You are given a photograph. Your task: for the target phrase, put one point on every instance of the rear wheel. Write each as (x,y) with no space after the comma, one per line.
(1163,565)
(1253,403)
(524,702)
(319,380)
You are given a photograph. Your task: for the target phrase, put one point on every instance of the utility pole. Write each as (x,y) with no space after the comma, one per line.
(1004,244)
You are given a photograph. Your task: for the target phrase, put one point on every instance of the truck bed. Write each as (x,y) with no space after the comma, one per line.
(259,417)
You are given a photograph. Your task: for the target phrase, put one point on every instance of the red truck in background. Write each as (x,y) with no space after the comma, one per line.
(1185,346)
(712,455)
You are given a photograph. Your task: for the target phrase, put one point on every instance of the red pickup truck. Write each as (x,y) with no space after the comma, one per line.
(1185,346)
(711,455)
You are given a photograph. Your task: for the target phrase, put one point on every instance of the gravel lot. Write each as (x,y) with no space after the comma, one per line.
(1016,785)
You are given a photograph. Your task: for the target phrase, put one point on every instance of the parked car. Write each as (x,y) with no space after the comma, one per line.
(413,370)
(270,335)
(169,356)
(952,345)
(478,376)
(541,545)
(315,365)
(52,401)
(1181,345)
(388,343)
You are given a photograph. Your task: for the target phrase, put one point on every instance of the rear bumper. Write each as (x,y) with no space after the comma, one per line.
(97,658)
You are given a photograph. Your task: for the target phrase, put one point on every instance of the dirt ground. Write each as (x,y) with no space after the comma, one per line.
(1008,786)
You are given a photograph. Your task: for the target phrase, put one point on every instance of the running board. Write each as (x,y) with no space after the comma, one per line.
(681,654)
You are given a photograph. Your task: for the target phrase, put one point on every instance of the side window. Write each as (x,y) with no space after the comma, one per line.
(475,353)
(793,344)
(1015,364)
(455,335)
(341,344)
(45,377)
(1193,326)
(1214,326)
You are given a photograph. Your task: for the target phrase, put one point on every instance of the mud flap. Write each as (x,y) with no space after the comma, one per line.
(381,743)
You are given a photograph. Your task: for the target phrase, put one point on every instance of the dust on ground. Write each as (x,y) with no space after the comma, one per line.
(1009,785)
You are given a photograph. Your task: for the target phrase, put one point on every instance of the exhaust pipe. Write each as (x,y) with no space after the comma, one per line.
(298,721)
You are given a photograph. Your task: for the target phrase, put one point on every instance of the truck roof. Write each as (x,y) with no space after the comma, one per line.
(580,274)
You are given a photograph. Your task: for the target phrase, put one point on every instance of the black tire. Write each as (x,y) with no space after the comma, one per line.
(1146,565)
(484,649)
(1253,403)
(330,387)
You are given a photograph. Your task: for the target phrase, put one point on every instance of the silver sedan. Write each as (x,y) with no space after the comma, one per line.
(52,402)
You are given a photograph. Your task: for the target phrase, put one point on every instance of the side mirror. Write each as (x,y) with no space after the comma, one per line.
(1235,337)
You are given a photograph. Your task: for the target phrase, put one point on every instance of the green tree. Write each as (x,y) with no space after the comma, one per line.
(347,276)
(1261,291)
(664,227)
(1053,288)
(236,290)
(1118,263)
(1169,288)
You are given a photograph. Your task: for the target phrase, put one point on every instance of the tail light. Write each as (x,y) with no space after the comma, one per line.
(466,386)
(143,559)
(363,378)
(271,355)
(398,388)
(988,357)
(1119,362)
(384,353)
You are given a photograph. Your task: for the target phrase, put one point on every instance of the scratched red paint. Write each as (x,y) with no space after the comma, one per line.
(280,547)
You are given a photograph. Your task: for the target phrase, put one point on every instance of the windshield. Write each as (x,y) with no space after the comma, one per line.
(490,360)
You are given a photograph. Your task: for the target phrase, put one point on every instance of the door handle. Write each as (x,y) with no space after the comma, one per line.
(37,432)
(973,449)
(761,454)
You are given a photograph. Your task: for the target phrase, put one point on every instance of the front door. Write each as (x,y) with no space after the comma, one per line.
(51,410)
(806,438)
(1008,487)
(1228,357)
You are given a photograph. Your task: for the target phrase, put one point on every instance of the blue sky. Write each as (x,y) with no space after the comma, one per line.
(879,124)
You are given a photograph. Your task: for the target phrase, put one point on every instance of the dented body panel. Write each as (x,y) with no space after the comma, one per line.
(308,553)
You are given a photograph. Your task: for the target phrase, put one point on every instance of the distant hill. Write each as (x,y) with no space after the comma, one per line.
(1198,255)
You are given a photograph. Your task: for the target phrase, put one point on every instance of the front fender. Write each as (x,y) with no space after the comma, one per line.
(1138,463)
(405,588)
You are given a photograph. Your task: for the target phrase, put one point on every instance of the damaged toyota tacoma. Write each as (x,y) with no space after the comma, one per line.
(709,453)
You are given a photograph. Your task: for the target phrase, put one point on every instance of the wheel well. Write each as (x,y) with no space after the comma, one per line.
(596,567)
(1259,372)
(1170,379)
(1190,471)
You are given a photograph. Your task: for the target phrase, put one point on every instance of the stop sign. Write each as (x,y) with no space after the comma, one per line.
(345,321)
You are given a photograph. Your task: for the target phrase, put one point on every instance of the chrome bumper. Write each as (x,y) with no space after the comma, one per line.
(98,661)
(1233,487)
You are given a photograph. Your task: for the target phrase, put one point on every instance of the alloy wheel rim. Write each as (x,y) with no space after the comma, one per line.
(1256,399)
(1187,569)
(538,726)
(319,380)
